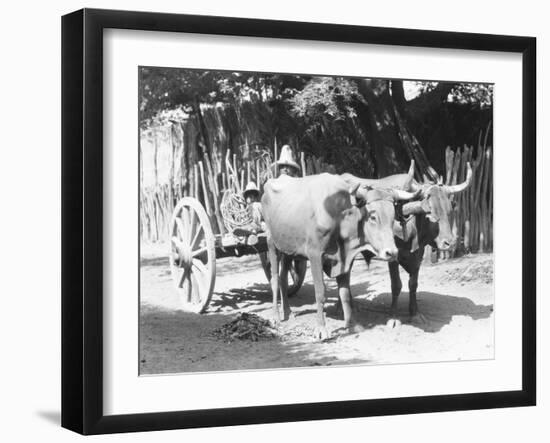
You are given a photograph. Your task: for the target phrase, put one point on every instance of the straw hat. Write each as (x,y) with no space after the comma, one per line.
(287,158)
(251,188)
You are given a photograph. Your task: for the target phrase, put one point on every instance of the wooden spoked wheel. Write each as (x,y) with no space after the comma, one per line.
(296,273)
(192,255)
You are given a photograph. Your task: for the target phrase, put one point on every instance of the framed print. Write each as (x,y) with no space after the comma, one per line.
(361,175)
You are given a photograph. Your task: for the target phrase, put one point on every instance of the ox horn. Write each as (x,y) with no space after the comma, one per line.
(411,169)
(399,194)
(462,186)
(410,176)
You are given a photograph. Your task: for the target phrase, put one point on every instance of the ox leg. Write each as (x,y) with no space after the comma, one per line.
(319,283)
(274,262)
(345,299)
(416,317)
(396,286)
(413,285)
(285,265)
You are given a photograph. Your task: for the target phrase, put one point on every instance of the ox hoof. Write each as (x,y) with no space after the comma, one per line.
(321,333)
(355,329)
(419,319)
(288,315)
(393,323)
(276,318)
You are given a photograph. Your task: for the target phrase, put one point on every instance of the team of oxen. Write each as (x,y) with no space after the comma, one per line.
(328,219)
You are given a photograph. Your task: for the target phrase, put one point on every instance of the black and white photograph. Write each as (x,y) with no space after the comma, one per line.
(291,220)
(248,221)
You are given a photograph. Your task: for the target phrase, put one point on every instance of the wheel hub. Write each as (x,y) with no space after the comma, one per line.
(184,255)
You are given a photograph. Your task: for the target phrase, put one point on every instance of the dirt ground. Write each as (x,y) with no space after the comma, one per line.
(455,298)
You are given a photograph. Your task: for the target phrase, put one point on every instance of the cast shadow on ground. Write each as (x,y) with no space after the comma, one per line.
(154,261)
(257,295)
(236,265)
(179,342)
(437,309)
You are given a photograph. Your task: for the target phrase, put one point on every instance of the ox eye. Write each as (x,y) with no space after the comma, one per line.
(372,217)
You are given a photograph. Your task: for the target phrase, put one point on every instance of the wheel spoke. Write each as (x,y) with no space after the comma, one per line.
(195,295)
(199,251)
(193,242)
(184,217)
(176,242)
(192,226)
(183,276)
(181,229)
(199,273)
(189,288)
(192,239)
(294,273)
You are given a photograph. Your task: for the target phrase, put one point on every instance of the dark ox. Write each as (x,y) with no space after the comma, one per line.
(322,219)
(428,223)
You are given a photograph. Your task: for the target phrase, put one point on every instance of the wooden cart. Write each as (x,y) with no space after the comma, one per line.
(194,248)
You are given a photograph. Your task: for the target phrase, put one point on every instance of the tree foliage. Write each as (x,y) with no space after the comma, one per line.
(332,96)
(342,119)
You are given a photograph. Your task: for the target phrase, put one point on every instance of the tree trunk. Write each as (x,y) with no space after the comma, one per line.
(391,155)
(205,149)
(367,140)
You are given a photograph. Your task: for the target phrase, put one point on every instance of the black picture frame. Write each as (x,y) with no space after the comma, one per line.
(82,218)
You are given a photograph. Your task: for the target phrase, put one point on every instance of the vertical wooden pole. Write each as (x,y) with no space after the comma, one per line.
(205,191)
(449,157)
(467,236)
(303,163)
(196,180)
(235,168)
(276,158)
(215,196)
(484,208)
(171,186)
(155,158)
(212,178)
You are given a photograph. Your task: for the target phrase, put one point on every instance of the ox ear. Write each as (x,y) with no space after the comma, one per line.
(416,207)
